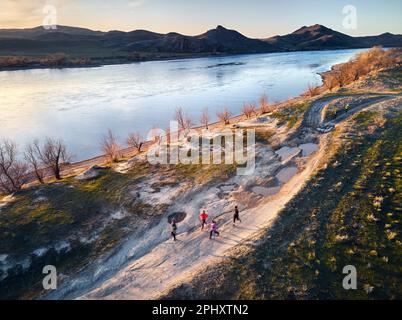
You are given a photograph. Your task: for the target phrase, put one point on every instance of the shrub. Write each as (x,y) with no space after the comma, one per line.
(224,116)
(249,110)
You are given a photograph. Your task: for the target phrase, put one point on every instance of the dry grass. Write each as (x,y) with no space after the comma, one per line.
(363,64)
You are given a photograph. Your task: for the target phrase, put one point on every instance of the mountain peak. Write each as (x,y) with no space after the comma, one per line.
(219,27)
(318,26)
(221,33)
(313,28)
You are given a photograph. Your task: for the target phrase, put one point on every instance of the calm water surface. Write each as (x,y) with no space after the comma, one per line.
(79,105)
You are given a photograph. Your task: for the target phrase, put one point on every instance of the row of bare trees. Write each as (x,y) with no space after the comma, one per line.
(14,62)
(62,59)
(42,159)
(48,157)
(38,158)
(363,64)
(248,110)
(52,60)
(111,147)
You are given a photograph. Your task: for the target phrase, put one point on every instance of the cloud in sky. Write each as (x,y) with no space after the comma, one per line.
(136,3)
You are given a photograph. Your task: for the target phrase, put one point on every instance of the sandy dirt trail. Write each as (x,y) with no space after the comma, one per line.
(170,263)
(314,117)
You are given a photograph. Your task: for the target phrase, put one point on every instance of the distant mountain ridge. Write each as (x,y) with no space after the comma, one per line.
(76,41)
(319,37)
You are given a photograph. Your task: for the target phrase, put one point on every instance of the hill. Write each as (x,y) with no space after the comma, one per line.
(318,37)
(150,45)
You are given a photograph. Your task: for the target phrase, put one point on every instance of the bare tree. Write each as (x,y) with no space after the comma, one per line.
(166,136)
(313,90)
(32,156)
(110,146)
(12,170)
(156,135)
(248,110)
(53,154)
(224,116)
(204,119)
(135,140)
(363,64)
(264,105)
(183,119)
(57,59)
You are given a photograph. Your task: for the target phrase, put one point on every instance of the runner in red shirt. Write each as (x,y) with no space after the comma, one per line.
(203,218)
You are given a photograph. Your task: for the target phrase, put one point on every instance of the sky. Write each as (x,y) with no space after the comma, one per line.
(254,18)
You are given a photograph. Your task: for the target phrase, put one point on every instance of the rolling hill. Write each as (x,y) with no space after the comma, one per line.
(318,37)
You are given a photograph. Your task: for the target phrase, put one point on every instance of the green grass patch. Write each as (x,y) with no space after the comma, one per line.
(203,174)
(41,215)
(366,118)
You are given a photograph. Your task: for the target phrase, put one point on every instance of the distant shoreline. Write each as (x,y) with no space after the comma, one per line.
(71,47)
(120,61)
(110,62)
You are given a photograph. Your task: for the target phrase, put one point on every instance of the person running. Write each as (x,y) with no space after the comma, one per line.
(236,216)
(214,229)
(203,218)
(174,229)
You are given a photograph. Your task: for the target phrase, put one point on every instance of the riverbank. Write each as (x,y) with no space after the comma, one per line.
(101,62)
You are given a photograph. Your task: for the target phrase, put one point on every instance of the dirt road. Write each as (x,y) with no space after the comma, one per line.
(315,116)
